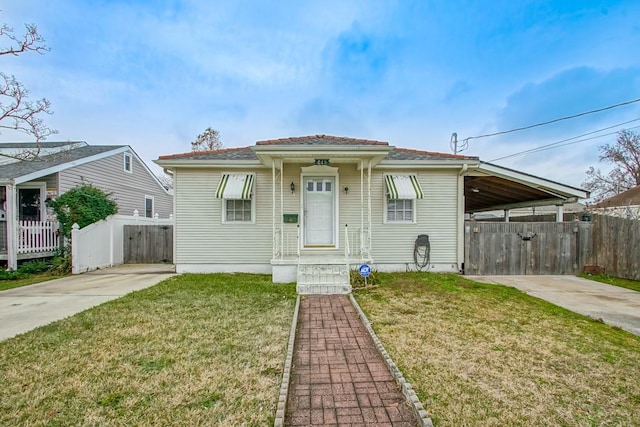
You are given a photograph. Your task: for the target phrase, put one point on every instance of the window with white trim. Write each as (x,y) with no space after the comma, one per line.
(400,210)
(401,195)
(148,206)
(238,203)
(128,163)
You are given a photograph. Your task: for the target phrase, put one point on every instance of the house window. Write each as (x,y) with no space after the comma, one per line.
(238,203)
(238,211)
(402,193)
(400,210)
(148,206)
(128,166)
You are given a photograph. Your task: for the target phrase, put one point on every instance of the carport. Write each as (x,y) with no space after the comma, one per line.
(520,248)
(489,187)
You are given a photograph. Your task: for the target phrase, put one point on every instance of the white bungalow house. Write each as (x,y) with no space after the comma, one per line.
(31,174)
(309,209)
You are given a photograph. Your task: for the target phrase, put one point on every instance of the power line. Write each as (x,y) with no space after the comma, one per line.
(560,143)
(554,120)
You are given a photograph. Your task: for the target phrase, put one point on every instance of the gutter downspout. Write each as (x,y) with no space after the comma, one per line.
(460,227)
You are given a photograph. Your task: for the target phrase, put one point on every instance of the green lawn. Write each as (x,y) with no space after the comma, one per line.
(194,350)
(634,285)
(30,280)
(488,355)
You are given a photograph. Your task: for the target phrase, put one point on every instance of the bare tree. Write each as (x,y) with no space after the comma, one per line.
(624,154)
(209,140)
(17,111)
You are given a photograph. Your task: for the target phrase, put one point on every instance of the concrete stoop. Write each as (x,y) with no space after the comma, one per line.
(323,279)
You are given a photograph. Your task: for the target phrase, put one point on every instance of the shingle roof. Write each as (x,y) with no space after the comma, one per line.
(409,154)
(631,197)
(320,140)
(36,144)
(241,153)
(246,153)
(17,169)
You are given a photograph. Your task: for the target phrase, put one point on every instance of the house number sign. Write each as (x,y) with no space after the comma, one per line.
(322,162)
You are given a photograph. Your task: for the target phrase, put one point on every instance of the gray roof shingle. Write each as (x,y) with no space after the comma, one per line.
(246,153)
(17,169)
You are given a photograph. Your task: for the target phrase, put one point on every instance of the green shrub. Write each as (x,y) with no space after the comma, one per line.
(12,275)
(83,205)
(34,267)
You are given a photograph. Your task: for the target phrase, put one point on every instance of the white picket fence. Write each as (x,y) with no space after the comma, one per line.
(37,236)
(100,244)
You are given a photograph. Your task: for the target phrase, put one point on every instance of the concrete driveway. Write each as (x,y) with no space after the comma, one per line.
(614,305)
(23,309)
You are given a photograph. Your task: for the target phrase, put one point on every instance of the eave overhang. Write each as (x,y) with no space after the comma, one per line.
(269,154)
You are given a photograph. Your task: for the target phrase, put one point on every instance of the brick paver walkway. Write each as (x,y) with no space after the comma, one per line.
(338,377)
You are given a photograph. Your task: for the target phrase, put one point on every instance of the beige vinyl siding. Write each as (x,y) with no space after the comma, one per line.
(437,216)
(127,189)
(202,238)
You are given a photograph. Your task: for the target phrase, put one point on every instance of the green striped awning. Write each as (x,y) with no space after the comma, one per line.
(235,186)
(403,187)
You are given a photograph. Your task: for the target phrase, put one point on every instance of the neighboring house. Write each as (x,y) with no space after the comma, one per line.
(27,225)
(304,208)
(625,204)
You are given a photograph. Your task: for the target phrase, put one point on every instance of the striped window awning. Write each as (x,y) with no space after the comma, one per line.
(235,186)
(403,187)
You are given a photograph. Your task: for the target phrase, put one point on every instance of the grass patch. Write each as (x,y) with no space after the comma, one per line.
(193,350)
(25,280)
(489,355)
(634,285)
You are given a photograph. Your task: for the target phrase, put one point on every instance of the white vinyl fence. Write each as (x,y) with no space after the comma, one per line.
(100,245)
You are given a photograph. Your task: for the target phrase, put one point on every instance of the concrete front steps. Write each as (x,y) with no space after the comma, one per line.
(323,279)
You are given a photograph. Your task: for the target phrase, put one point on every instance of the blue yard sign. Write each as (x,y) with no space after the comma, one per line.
(364,270)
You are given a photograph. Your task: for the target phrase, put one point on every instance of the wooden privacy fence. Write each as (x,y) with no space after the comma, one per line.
(148,244)
(493,248)
(616,246)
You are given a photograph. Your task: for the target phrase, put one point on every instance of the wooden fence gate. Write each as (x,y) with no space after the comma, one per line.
(510,248)
(148,244)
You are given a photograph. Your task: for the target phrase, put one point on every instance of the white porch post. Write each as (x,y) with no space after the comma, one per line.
(12,228)
(273,207)
(369,213)
(280,219)
(560,213)
(506,215)
(362,249)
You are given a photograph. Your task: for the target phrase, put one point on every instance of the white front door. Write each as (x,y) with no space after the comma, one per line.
(319,209)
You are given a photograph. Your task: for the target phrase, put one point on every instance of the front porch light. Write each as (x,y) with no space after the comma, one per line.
(293,187)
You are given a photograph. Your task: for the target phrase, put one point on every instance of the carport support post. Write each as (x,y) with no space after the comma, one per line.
(559,213)
(506,215)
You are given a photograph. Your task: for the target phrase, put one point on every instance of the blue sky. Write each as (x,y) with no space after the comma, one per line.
(154,74)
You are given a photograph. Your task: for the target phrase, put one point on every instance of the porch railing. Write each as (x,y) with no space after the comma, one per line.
(286,243)
(37,236)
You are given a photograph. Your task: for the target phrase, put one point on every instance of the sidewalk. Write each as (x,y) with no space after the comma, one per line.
(338,376)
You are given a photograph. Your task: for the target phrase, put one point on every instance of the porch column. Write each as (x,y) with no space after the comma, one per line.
(12,228)
(369,201)
(559,213)
(506,215)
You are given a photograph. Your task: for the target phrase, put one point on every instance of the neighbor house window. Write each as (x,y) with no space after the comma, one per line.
(128,166)
(238,203)
(148,206)
(402,193)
